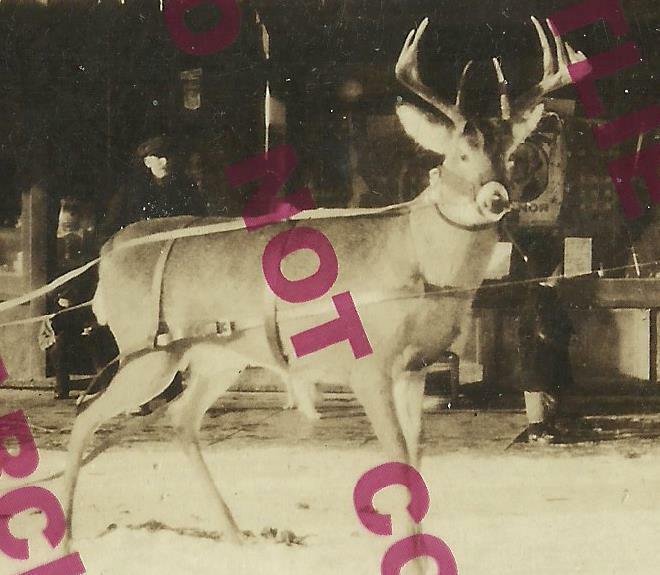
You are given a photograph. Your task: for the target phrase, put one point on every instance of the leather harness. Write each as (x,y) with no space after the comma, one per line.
(226,328)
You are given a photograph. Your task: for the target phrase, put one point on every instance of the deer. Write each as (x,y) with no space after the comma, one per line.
(412,268)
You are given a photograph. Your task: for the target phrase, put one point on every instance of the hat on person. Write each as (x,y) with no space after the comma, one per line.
(157,146)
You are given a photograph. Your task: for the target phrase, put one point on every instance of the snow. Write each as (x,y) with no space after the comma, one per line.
(140,511)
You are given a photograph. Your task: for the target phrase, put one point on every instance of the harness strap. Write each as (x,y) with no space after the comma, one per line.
(160,329)
(162,335)
(273,334)
(226,329)
(271,325)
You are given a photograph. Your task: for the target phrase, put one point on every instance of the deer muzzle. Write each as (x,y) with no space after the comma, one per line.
(493,201)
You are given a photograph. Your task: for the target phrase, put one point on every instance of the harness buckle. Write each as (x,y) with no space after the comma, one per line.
(224,328)
(163,336)
(163,339)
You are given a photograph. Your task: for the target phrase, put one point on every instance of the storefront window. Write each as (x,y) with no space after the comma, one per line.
(11,252)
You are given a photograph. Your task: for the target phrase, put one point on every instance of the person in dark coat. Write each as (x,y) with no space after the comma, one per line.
(77,337)
(77,344)
(158,188)
(544,334)
(544,326)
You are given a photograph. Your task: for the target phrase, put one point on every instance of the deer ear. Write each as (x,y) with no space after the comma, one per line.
(473,135)
(426,130)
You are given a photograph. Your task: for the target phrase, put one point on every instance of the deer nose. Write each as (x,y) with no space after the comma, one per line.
(493,201)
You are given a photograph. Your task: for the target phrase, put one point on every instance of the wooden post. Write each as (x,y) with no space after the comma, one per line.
(653,345)
(34,230)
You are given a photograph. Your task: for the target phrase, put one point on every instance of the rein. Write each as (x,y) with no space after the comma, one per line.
(192,230)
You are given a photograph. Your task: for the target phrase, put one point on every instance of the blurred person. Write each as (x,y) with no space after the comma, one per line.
(544,326)
(76,343)
(160,187)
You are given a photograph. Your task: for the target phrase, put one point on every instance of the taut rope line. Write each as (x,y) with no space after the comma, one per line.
(49,287)
(208,229)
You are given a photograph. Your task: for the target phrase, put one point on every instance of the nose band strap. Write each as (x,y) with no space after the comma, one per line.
(454,224)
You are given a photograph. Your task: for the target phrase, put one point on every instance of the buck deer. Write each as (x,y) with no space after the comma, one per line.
(392,260)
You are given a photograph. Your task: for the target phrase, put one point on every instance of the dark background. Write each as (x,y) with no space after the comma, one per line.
(84,82)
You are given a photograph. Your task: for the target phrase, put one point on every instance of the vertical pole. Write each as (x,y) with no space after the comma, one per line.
(267,117)
(653,345)
(108,117)
(265,42)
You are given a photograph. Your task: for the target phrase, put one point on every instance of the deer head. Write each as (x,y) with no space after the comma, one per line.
(483,160)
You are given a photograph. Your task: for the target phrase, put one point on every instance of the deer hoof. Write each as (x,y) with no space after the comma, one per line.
(236,537)
(66,544)
(311,414)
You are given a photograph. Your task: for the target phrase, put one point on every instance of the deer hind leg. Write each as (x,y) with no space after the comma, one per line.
(135,383)
(211,371)
(301,392)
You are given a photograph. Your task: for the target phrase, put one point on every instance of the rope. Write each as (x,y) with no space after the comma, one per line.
(236,224)
(193,231)
(440,291)
(133,425)
(49,287)
(256,322)
(44,317)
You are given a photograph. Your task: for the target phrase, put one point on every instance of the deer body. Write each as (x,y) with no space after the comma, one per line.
(390,260)
(385,260)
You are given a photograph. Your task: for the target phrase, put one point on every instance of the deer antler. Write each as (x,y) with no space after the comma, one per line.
(555,70)
(461,85)
(407,72)
(505,104)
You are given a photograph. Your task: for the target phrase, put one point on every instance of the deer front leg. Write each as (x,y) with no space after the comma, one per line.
(210,373)
(408,391)
(375,391)
(135,383)
(302,393)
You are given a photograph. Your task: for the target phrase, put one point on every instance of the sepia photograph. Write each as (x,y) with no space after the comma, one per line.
(366,287)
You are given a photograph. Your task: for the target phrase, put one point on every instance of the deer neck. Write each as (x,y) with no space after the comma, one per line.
(448,254)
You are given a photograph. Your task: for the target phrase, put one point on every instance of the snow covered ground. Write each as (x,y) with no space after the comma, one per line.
(140,512)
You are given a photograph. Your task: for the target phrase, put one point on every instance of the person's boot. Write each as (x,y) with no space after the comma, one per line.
(540,407)
(62,386)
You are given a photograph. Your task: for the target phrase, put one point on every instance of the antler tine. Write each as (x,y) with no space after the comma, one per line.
(407,72)
(555,67)
(505,104)
(461,85)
